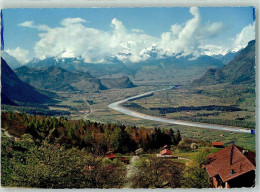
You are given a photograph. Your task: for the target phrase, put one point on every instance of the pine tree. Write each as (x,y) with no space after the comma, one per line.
(70,133)
(178,137)
(75,127)
(171,134)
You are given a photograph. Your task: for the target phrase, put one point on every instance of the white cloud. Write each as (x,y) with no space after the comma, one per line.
(247,34)
(137,30)
(70,21)
(210,30)
(30,24)
(20,54)
(182,39)
(73,38)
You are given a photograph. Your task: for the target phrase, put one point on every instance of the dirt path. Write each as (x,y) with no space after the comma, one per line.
(87,112)
(8,134)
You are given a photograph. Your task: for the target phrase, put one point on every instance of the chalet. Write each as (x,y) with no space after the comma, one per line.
(165,153)
(217,144)
(231,167)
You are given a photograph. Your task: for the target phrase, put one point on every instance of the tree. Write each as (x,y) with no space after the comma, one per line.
(153,172)
(171,134)
(75,127)
(117,141)
(122,141)
(194,175)
(70,133)
(50,167)
(178,137)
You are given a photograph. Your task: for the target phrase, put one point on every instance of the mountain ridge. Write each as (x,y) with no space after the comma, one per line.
(55,78)
(14,89)
(240,70)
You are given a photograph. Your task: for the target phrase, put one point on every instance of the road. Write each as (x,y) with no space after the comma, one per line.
(117,106)
(87,112)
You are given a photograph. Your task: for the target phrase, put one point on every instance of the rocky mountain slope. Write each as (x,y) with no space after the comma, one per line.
(240,70)
(14,89)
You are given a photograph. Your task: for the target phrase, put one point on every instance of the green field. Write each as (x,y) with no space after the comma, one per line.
(239,97)
(93,106)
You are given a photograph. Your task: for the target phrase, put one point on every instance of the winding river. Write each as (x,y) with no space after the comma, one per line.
(117,106)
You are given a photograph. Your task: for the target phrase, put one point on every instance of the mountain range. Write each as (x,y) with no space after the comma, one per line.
(56,78)
(227,57)
(74,75)
(240,70)
(164,70)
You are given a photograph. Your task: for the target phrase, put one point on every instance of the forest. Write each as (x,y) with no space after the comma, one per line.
(49,152)
(97,138)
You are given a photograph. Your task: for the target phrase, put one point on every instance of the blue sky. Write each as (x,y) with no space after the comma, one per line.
(127,33)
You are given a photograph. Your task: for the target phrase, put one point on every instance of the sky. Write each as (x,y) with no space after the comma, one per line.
(128,34)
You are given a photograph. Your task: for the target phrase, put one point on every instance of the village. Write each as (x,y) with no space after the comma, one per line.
(117,155)
(229,167)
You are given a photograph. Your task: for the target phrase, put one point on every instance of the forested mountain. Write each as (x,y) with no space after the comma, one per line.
(240,70)
(15,89)
(57,79)
(122,82)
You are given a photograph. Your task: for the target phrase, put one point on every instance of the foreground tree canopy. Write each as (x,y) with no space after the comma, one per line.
(62,153)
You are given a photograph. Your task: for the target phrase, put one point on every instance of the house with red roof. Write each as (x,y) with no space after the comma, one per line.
(231,167)
(217,144)
(165,153)
(111,156)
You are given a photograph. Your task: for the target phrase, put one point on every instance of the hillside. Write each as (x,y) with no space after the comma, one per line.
(57,79)
(226,58)
(239,70)
(15,89)
(12,61)
(123,82)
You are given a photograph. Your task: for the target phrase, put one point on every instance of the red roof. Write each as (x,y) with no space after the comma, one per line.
(215,143)
(111,156)
(219,163)
(166,152)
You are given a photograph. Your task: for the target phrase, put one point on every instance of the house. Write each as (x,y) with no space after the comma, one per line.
(111,156)
(231,167)
(217,144)
(165,153)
